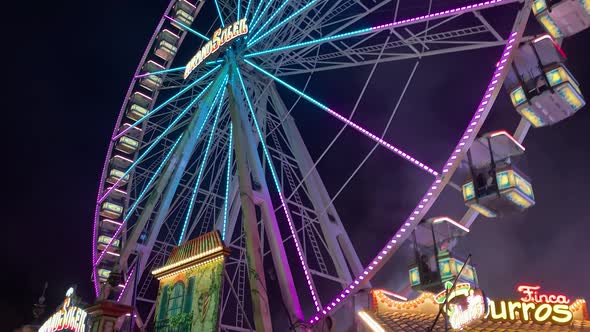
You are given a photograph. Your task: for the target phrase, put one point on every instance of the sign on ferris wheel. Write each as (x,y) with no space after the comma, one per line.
(220,41)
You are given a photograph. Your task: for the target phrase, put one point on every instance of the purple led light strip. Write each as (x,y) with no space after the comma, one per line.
(436,187)
(126,283)
(111,143)
(348,122)
(360,32)
(281,197)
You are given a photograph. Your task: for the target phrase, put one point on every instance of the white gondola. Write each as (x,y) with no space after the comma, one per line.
(184,12)
(563,18)
(495,186)
(151,82)
(138,106)
(166,45)
(541,88)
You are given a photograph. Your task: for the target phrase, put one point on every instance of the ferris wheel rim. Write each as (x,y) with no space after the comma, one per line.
(119,121)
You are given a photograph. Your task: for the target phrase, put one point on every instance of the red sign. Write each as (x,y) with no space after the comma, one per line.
(531,294)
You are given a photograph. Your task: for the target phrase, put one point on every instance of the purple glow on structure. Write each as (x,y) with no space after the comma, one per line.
(440,14)
(126,283)
(382,142)
(348,122)
(415,20)
(111,144)
(436,186)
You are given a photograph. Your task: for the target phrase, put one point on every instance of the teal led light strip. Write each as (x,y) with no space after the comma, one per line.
(255,22)
(155,142)
(202,167)
(423,18)
(280,24)
(247,8)
(219,13)
(196,33)
(256,11)
(138,200)
(350,123)
(168,101)
(280,193)
(266,22)
(227,180)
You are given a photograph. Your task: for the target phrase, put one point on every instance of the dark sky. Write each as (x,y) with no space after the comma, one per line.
(68,68)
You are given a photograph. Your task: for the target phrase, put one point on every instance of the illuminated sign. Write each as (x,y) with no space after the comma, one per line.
(221,38)
(69,317)
(463,304)
(533,306)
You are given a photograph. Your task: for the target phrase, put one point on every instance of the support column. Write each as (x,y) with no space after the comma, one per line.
(279,256)
(339,244)
(262,320)
(166,186)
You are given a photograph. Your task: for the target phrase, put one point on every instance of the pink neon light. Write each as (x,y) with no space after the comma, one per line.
(124,193)
(546,36)
(125,159)
(505,133)
(450,221)
(468,135)
(112,222)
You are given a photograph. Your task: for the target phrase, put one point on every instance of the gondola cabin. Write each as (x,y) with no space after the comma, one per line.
(495,186)
(111,210)
(138,106)
(541,88)
(434,263)
(103,274)
(166,45)
(184,12)
(562,18)
(422,279)
(151,82)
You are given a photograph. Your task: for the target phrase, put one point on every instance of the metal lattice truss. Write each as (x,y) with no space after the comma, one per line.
(183,180)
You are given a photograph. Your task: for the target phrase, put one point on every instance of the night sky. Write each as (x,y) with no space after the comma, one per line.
(69,65)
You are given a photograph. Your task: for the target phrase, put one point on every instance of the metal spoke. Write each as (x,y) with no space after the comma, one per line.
(353,125)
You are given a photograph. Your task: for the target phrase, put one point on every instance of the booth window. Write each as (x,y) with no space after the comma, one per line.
(175,300)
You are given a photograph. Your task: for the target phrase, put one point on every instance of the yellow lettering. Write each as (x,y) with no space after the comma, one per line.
(236,29)
(542,313)
(562,314)
(511,309)
(244,26)
(494,314)
(217,39)
(525,311)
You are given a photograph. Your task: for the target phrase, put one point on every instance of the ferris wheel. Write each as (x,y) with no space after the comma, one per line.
(208,138)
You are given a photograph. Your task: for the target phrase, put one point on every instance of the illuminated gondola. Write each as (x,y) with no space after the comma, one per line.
(562,18)
(540,86)
(495,186)
(434,263)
